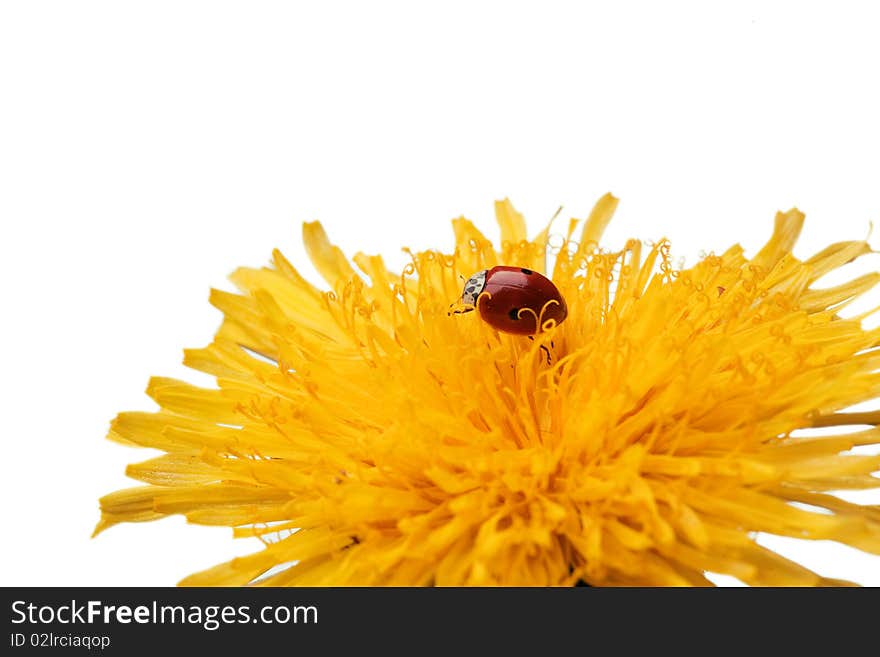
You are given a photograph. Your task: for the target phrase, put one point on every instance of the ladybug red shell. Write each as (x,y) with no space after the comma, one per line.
(513,299)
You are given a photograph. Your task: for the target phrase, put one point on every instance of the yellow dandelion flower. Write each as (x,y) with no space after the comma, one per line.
(370,438)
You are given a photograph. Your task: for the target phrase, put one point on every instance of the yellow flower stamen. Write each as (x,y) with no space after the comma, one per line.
(370,437)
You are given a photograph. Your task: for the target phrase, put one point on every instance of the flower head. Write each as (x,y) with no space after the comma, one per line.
(370,438)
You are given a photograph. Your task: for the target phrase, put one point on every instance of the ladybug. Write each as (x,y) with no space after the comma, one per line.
(513,299)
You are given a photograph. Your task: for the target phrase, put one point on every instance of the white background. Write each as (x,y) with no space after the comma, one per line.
(147,149)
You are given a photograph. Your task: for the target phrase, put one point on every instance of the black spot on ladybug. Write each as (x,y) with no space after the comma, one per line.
(527,272)
(514,313)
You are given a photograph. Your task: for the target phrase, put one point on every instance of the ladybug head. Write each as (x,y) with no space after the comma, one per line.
(468,300)
(475,284)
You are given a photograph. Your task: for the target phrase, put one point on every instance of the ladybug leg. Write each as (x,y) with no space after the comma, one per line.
(543,348)
(459,311)
(546,351)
